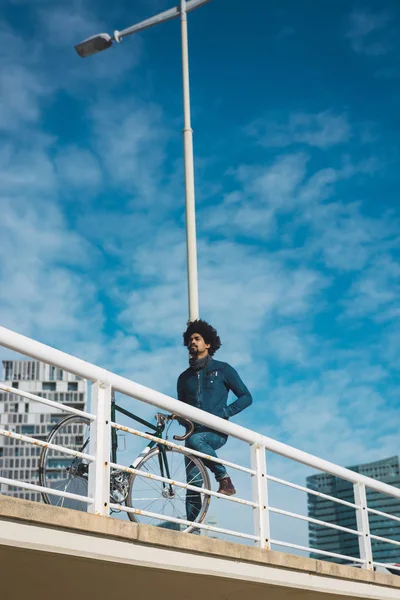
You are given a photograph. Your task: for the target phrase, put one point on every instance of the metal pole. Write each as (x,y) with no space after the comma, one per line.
(189,176)
(260,496)
(365,544)
(100,437)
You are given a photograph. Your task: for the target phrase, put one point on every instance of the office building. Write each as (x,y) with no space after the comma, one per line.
(340,542)
(19,460)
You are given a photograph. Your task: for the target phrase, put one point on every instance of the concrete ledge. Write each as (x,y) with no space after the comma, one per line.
(13,509)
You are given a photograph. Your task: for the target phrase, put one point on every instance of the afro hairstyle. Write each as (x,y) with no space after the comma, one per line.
(207,332)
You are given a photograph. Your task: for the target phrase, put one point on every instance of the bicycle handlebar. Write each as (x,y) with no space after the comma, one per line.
(161,418)
(183,421)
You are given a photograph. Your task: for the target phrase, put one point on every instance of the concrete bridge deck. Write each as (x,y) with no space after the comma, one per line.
(49,552)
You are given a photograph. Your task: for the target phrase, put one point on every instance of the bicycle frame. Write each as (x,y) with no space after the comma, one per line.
(158,431)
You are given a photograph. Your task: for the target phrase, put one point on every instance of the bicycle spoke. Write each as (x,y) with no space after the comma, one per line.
(177,467)
(151,504)
(152,482)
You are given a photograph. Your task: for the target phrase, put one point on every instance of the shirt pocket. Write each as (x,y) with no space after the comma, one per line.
(212,381)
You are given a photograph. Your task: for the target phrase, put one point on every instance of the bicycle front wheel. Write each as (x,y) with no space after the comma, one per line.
(62,471)
(169,500)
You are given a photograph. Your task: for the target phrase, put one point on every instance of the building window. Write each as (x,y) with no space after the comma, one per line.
(28,429)
(72,386)
(60,374)
(26,407)
(49,385)
(7,370)
(15,384)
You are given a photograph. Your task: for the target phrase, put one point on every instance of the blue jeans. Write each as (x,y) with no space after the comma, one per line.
(207,442)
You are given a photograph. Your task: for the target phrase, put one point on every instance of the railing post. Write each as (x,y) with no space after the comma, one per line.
(364,540)
(100,436)
(260,495)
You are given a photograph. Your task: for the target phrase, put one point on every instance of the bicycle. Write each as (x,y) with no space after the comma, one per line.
(70,474)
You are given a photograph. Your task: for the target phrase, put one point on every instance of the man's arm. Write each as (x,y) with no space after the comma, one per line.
(237,386)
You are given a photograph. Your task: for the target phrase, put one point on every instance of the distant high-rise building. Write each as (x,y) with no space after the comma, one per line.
(341,542)
(19,460)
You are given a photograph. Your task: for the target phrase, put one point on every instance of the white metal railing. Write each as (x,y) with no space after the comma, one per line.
(98,457)
(68,409)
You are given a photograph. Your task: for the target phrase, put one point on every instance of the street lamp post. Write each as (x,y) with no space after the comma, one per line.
(102,41)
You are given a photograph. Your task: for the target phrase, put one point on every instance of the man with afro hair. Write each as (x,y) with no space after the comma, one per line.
(206,385)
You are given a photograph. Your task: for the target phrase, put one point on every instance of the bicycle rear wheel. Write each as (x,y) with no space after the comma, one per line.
(63,471)
(147,494)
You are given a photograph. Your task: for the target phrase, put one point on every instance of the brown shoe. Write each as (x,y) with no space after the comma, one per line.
(226,487)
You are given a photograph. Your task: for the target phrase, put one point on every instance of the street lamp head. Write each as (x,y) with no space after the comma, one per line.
(94,44)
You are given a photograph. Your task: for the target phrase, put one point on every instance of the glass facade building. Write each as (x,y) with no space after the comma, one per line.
(340,542)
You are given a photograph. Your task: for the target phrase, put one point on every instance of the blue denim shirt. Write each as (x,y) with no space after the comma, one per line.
(208,389)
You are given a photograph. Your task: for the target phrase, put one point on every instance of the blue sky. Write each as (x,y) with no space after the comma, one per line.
(295,116)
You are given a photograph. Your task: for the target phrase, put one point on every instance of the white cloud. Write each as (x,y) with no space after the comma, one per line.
(78,168)
(265,191)
(23,89)
(344,237)
(368,32)
(320,130)
(44,297)
(24,170)
(376,292)
(288,345)
(272,203)
(66,26)
(130,138)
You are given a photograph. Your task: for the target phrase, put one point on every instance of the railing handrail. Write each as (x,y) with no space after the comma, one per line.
(37,350)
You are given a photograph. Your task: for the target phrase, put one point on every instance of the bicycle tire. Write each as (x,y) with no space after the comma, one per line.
(45,455)
(205,499)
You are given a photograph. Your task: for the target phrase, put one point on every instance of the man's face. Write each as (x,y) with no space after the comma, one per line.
(197,346)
